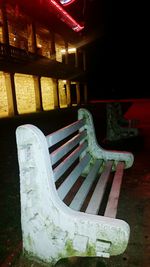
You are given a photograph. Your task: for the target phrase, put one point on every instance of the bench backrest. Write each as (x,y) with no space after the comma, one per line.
(71,152)
(66,146)
(69,155)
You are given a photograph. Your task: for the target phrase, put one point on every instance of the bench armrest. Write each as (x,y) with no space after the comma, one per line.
(96,150)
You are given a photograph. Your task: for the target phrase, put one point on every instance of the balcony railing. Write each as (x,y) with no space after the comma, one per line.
(11,52)
(43,66)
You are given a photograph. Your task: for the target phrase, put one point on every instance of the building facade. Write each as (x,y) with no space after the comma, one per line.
(39,69)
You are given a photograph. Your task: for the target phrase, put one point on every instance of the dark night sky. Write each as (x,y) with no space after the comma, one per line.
(118,62)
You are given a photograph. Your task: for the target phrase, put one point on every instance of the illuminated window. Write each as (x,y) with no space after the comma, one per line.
(47,93)
(62,93)
(70,50)
(25,93)
(3,96)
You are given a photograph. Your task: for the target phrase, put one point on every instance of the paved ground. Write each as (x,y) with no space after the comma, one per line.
(134,202)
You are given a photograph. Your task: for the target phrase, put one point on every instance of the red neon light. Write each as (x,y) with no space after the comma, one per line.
(66,3)
(65,17)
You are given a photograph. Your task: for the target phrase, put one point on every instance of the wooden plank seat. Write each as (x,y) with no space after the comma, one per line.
(70,188)
(115,130)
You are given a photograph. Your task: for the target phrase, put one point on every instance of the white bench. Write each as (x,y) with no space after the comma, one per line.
(115,131)
(122,121)
(68,166)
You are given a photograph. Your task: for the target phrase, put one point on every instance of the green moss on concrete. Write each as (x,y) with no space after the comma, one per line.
(91,250)
(28,240)
(69,248)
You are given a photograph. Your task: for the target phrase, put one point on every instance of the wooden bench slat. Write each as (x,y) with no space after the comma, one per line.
(61,134)
(72,177)
(79,198)
(68,161)
(111,208)
(96,199)
(65,148)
